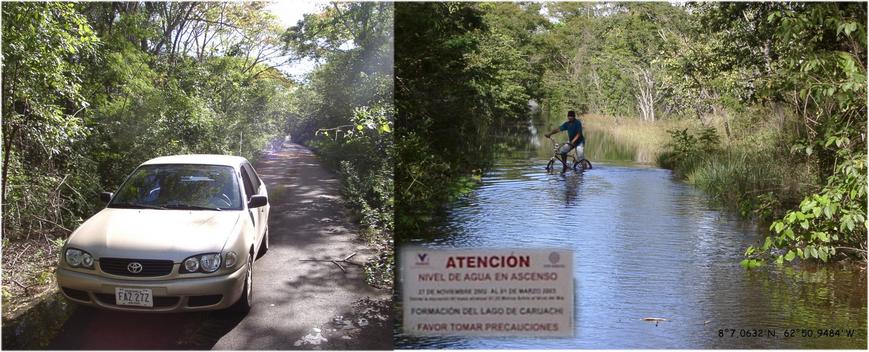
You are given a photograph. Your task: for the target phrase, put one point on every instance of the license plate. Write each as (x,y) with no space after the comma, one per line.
(140,297)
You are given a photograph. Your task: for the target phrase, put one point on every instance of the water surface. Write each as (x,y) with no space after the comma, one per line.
(645,245)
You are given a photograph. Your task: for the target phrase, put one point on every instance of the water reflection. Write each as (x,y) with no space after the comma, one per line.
(645,245)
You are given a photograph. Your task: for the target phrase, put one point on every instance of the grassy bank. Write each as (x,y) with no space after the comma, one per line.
(762,164)
(751,169)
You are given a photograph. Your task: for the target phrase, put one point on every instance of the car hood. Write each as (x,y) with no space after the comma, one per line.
(154,234)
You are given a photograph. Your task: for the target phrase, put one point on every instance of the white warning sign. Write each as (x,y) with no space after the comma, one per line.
(469,292)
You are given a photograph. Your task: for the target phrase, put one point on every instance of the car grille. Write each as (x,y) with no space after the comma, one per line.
(159,301)
(118,266)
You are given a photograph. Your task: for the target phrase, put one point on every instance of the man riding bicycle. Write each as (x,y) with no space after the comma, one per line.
(575,138)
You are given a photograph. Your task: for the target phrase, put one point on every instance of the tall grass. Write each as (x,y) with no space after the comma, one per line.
(752,169)
(755,181)
(647,139)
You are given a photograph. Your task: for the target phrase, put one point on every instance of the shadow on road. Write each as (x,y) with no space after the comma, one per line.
(90,328)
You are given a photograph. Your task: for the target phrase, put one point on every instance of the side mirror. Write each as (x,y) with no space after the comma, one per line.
(106,196)
(257,201)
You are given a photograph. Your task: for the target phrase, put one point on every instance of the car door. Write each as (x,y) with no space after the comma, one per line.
(263,191)
(250,191)
(261,213)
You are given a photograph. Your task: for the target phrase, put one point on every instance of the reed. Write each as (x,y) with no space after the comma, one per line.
(647,139)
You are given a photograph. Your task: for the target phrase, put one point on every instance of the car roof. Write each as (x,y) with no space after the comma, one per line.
(203,159)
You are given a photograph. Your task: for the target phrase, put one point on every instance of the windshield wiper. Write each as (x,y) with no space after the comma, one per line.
(134,206)
(189,206)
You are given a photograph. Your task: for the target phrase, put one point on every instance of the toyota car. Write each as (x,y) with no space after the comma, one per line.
(181,234)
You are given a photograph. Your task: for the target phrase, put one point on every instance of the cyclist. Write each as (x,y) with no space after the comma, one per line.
(575,138)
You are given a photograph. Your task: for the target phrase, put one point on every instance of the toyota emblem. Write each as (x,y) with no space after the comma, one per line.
(134,267)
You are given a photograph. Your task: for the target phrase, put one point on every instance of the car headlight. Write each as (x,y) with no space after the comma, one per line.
(205,263)
(230,258)
(191,265)
(78,258)
(86,260)
(209,262)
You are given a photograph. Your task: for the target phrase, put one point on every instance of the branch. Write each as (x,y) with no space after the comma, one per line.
(335,261)
(53,223)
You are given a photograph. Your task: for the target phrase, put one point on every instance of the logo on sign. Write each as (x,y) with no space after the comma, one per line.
(134,267)
(422,259)
(554,258)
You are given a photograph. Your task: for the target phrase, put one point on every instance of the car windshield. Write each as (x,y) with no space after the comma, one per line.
(180,186)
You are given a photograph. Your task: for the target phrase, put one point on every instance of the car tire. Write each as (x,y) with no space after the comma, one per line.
(245,302)
(264,246)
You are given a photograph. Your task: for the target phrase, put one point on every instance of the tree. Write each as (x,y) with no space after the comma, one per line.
(91,90)
(43,46)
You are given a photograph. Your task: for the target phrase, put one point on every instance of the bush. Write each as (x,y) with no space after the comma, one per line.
(827,224)
(754,176)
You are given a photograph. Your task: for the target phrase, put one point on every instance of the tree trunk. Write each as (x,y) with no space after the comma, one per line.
(7,149)
(646,93)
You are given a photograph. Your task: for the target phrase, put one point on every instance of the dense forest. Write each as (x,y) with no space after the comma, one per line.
(91,90)
(774,95)
(460,69)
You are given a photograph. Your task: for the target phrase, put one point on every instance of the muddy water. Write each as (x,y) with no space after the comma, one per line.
(646,245)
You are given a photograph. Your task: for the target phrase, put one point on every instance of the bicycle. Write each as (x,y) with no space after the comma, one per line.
(581,164)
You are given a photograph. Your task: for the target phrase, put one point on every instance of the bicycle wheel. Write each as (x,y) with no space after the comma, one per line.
(585,164)
(549,165)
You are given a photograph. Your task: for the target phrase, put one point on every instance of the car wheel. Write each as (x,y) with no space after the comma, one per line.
(264,246)
(245,302)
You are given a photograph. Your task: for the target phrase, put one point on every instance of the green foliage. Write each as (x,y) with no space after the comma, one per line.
(7,296)
(801,62)
(58,243)
(608,56)
(685,150)
(44,45)
(824,62)
(44,277)
(362,154)
(827,223)
(92,90)
(378,271)
(463,70)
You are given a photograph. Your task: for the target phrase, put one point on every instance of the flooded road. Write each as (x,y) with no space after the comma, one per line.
(646,245)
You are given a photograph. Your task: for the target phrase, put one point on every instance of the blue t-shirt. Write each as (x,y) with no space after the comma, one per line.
(573,128)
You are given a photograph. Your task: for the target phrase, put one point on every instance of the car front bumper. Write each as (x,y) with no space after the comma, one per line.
(174,295)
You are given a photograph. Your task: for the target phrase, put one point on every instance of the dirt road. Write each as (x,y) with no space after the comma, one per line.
(298,304)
